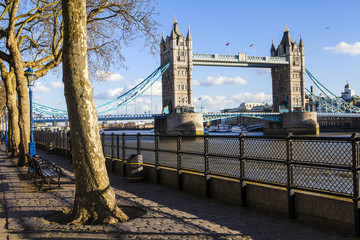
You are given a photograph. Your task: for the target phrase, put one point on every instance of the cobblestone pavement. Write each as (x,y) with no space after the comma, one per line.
(170,214)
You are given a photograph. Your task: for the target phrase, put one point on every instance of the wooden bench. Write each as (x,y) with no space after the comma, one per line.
(47,171)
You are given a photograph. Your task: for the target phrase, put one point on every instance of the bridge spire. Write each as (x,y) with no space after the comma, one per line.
(162,38)
(273,51)
(301,44)
(188,37)
(175,32)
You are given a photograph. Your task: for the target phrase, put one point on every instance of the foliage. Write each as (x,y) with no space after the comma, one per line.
(111,25)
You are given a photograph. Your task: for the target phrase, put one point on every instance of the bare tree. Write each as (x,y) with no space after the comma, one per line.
(33,34)
(94,197)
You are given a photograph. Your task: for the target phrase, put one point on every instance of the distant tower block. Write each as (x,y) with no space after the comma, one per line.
(177,95)
(288,80)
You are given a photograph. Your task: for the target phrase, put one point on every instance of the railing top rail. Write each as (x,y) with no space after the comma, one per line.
(317,138)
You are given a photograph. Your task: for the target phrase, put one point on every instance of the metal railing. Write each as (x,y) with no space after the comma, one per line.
(318,164)
(326,165)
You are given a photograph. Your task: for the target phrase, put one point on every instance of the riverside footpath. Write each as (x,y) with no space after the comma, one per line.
(168,214)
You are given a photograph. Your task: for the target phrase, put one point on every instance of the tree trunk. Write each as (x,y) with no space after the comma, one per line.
(94,197)
(13,115)
(24,114)
(21,86)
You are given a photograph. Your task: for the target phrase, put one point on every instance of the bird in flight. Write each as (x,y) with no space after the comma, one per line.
(327,28)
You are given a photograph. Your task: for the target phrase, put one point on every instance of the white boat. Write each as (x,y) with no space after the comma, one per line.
(220,128)
(238,129)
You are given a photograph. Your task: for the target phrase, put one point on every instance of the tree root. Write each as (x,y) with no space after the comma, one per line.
(87,217)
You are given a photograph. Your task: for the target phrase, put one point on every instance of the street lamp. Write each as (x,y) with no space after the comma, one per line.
(31,77)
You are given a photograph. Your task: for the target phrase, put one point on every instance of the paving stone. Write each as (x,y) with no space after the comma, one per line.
(171,214)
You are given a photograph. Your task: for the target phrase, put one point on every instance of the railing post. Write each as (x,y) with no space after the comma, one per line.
(103,143)
(206,161)
(117,147)
(242,169)
(290,190)
(112,146)
(355,173)
(157,166)
(67,143)
(138,143)
(56,142)
(123,153)
(178,165)
(64,145)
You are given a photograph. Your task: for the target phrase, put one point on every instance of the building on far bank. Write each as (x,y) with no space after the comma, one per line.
(250,107)
(247,107)
(348,93)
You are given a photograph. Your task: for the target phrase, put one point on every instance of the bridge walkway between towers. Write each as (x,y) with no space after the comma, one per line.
(170,214)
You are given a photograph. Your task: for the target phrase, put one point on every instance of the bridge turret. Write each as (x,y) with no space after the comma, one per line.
(288,80)
(273,51)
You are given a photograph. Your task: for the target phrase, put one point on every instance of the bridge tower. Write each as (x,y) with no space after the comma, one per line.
(288,85)
(288,81)
(177,81)
(177,95)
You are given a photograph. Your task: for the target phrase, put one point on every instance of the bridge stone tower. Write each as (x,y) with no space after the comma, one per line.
(177,95)
(288,81)
(288,85)
(177,81)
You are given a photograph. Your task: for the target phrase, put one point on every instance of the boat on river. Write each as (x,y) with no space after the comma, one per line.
(238,129)
(220,128)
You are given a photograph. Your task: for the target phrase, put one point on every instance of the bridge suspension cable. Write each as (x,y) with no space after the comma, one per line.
(341,105)
(48,110)
(134,92)
(120,101)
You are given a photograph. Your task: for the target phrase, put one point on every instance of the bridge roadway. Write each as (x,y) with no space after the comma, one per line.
(273,117)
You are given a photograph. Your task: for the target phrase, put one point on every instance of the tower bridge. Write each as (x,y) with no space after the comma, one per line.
(287,64)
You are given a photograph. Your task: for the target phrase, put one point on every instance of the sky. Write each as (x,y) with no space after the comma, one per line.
(329,28)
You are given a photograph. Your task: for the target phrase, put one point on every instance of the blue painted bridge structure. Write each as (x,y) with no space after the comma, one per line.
(271,117)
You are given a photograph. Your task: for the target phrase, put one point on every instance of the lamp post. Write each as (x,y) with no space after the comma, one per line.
(6,133)
(31,77)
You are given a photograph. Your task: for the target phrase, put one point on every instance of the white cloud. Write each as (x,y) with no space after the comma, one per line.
(154,90)
(109,76)
(56,84)
(39,87)
(263,71)
(345,48)
(215,104)
(212,104)
(195,82)
(221,80)
(251,97)
(37,97)
(110,94)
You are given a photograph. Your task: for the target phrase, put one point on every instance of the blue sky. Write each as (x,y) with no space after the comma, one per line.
(330,35)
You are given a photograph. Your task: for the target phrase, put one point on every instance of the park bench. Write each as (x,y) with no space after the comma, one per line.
(47,171)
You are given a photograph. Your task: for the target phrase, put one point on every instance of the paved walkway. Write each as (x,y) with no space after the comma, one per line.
(170,214)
